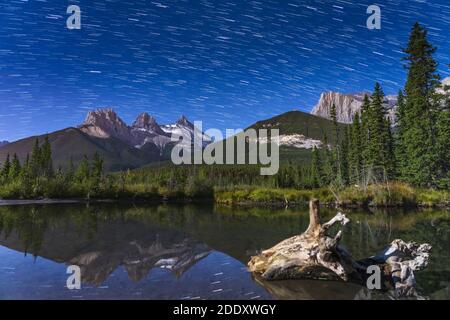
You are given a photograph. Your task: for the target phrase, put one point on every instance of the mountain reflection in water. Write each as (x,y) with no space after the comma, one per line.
(189,251)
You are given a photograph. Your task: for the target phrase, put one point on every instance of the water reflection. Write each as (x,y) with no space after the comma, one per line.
(104,238)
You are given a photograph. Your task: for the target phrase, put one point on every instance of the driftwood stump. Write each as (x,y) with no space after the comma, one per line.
(317,255)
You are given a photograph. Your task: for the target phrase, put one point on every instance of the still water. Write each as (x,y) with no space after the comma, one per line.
(190,251)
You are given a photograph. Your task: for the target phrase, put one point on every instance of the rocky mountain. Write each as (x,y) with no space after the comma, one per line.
(347,105)
(3,143)
(104,123)
(104,132)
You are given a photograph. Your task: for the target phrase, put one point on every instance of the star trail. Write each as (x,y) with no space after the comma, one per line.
(227,63)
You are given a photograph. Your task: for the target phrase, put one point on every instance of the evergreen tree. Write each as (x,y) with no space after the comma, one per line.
(328,172)
(316,169)
(379,157)
(388,150)
(46,163)
(365,136)
(70,174)
(333,117)
(344,154)
(418,129)
(97,166)
(15,168)
(83,172)
(355,150)
(400,156)
(6,169)
(35,160)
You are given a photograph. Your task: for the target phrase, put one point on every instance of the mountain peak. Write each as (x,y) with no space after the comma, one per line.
(145,121)
(101,116)
(183,121)
(105,123)
(3,143)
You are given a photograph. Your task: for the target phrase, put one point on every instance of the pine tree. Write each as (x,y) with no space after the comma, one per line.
(333,117)
(46,163)
(83,172)
(365,136)
(355,150)
(379,155)
(400,156)
(328,172)
(389,154)
(316,169)
(418,119)
(337,163)
(15,168)
(97,166)
(344,154)
(6,169)
(35,160)
(70,174)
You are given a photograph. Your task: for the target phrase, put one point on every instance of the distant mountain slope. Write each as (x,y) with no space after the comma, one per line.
(73,143)
(3,143)
(294,124)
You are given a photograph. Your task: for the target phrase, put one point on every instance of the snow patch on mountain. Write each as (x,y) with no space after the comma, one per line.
(295,140)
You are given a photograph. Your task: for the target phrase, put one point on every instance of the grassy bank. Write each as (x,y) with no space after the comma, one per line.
(114,188)
(389,195)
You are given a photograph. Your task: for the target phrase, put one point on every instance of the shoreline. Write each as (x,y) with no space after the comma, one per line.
(212,201)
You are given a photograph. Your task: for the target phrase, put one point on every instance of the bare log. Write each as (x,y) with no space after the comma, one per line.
(317,255)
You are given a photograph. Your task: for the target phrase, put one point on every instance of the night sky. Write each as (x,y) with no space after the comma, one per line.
(228,63)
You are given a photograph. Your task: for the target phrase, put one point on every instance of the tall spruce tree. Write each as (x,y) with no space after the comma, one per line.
(316,169)
(417,120)
(376,153)
(355,150)
(400,154)
(15,168)
(343,158)
(35,159)
(365,136)
(46,163)
(328,171)
(6,169)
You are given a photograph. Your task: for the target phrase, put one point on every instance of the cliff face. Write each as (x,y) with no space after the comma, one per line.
(347,105)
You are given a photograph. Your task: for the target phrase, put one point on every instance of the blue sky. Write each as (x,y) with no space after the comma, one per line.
(227,63)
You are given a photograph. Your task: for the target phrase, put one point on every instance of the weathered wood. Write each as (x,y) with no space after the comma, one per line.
(317,255)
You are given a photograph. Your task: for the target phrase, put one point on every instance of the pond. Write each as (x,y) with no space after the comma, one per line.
(191,251)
